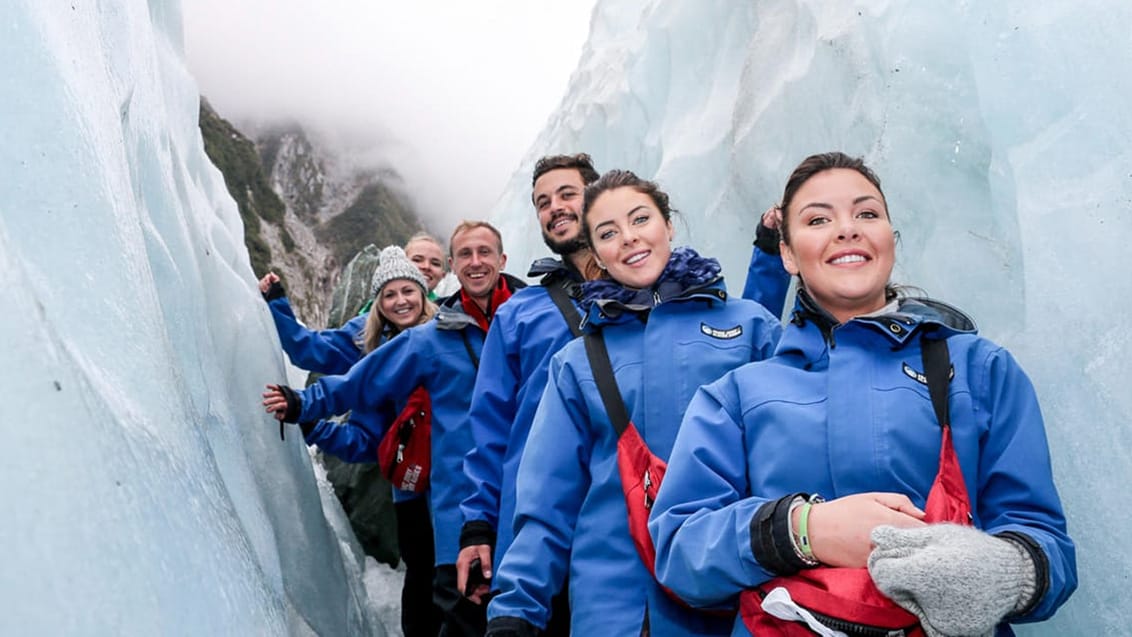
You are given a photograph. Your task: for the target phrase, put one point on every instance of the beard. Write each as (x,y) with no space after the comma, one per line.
(565,247)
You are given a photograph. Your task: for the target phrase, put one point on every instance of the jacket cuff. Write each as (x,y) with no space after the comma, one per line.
(770,537)
(511,627)
(1041,569)
(274,292)
(307,427)
(766,239)
(475,533)
(294,404)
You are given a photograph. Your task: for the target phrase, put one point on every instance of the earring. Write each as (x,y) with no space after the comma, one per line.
(601,265)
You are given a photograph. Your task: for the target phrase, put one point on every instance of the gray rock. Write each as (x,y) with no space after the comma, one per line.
(352,291)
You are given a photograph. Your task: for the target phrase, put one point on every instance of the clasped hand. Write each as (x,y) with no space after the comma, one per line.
(839,529)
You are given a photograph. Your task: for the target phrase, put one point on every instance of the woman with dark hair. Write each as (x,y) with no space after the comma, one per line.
(826,454)
(668,326)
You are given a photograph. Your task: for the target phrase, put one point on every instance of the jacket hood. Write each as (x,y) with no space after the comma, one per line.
(450,314)
(557,272)
(550,265)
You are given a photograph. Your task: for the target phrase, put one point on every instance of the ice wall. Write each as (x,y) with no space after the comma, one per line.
(144,493)
(1001,133)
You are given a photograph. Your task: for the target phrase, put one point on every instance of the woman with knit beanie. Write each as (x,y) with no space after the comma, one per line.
(400,292)
(335,350)
(400,296)
(668,326)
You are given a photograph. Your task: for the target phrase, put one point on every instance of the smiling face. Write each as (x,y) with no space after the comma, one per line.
(841,243)
(401,303)
(631,238)
(557,197)
(429,259)
(477,259)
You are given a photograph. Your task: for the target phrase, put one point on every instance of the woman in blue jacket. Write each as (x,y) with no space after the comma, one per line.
(400,293)
(669,326)
(843,411)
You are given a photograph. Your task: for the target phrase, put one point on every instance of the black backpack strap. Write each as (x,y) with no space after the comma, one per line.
(606,383)
(937,367)
(471,352)
(561,298)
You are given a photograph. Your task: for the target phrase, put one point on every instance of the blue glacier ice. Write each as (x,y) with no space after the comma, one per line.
(1003,134)
(144,491)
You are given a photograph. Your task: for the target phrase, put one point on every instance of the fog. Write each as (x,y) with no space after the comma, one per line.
(449,93)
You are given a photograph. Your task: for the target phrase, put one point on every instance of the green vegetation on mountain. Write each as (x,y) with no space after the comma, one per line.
(237,159)
(377,215)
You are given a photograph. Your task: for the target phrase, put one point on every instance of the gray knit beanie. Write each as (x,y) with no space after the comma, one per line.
(393,265)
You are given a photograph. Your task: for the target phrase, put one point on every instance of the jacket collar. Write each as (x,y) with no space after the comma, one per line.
(687,276)
(912,317)
(557,272)
(451,314)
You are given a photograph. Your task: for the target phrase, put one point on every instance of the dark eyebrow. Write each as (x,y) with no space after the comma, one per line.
(627,214)
(816,204)
(536,198)
(826,206)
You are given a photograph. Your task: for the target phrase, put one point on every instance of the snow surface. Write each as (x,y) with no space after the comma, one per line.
(1001,133)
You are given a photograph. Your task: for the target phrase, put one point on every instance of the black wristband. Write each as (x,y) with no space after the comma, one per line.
(511,627)
(770,537)
(766,239)
(275,291)
(475,533)
(294,404)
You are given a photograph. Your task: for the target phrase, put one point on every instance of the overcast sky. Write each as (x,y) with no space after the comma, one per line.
(453,92)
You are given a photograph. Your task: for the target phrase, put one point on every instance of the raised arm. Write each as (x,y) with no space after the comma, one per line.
(386,376)
(767,280)
(331,351)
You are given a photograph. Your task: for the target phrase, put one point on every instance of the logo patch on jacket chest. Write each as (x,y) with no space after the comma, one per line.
(919,377)
(734,332)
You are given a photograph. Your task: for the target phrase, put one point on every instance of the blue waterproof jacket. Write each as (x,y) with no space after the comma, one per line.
(844,409)
(357,439)
(440,356)
(516,356)
(323,351)
(570,510)
(526,331)
(334,351)
(767,280)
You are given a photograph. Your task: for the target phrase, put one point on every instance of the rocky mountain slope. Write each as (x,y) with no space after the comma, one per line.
(306,211)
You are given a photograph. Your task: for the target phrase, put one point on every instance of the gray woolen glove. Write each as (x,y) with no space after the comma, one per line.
(958,580)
